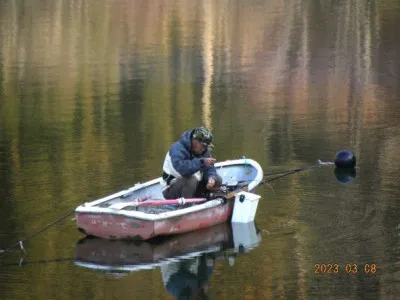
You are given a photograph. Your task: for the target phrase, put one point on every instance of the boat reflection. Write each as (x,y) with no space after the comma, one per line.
(171,254)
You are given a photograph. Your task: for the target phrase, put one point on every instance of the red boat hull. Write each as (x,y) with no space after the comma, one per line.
(114,226)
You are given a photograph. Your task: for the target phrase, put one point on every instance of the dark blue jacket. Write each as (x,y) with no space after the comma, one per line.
(184,161)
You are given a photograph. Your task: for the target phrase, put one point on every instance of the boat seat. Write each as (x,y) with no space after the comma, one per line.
(121,205)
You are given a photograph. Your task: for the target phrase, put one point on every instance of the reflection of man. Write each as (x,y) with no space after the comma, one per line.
(187,279)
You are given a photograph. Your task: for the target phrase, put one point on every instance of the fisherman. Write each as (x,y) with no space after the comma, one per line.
(188,169)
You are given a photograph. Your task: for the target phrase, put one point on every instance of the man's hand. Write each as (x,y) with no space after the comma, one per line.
(209,161)
(210,183)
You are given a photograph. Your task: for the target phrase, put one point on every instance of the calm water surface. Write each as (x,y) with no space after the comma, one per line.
(92,93)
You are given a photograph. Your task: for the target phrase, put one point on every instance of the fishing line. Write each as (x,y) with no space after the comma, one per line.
(22,262)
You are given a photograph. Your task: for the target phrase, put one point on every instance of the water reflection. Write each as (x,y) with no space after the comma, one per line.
(345,175)
(186,261)
(188,278)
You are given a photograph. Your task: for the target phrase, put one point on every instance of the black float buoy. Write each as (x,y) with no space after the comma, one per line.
(345,159)
(345,175)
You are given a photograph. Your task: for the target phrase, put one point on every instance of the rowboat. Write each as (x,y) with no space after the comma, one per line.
(125,215)
(122,257)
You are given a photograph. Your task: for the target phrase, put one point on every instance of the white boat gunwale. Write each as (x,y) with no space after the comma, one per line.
(152,217)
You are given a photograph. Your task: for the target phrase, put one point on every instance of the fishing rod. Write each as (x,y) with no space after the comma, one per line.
(231,194)
(279,172)
(287,172)
(344,159)
(20,243)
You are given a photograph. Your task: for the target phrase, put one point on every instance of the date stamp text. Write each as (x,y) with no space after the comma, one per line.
(345,268)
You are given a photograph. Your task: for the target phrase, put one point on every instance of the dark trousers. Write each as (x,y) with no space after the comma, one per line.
(188,187)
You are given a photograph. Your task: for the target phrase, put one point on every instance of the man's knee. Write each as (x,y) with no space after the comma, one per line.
(191,181)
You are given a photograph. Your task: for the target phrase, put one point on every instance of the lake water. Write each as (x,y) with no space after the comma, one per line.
(92,94)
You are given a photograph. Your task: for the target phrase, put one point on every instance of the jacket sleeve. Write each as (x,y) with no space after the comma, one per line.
(182,163)
(210,171)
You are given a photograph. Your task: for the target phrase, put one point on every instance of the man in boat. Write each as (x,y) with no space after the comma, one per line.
(188,169)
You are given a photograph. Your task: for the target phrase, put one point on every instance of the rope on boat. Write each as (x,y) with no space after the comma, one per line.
(20,243)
